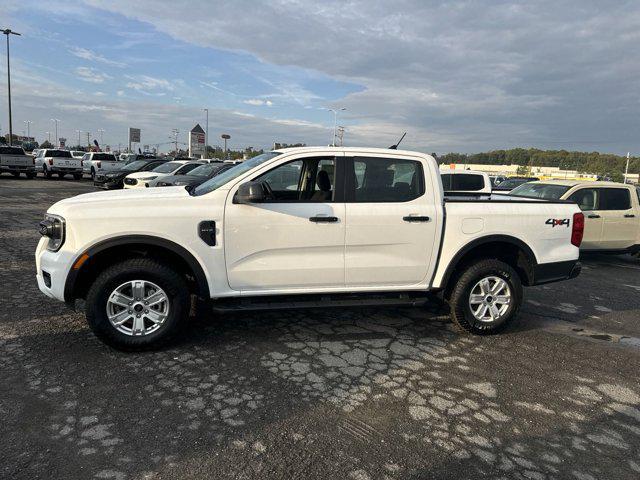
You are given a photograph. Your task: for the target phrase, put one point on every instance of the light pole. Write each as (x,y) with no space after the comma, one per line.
(626,170)
(49,136)
(56,121)
(28,124)
(335,123)
(78,132)
(7,32)
(206,135)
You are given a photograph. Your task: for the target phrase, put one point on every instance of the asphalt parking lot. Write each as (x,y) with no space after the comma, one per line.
(380,393)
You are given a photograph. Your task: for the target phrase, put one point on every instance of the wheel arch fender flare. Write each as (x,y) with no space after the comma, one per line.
(136,240)
(487,240)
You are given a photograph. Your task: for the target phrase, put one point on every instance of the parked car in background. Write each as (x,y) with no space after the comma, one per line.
(465,181)
(57,161)
(93,162)
(114,179)
(196,176)
(512,182)
(13,160)
(611,211)
(132,157)
(355,226)
(496,179)
(149,179)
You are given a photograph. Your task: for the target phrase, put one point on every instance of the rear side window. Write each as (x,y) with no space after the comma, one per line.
(462,182)
(385,180)
(614,199)
(104,156)
(586,198)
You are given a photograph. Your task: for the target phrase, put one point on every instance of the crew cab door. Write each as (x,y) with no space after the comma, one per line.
(391,221)
(620,223)
(295,239)
(588,200)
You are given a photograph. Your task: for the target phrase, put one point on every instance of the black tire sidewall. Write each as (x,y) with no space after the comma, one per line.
(175,288)
(463,315)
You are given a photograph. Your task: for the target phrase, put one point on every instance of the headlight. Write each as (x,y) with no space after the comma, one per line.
(53,226)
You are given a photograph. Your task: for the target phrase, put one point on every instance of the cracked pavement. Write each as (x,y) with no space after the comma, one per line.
(357,393)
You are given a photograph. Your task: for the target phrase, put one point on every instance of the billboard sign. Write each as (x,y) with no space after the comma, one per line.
(197,141)
(134,135)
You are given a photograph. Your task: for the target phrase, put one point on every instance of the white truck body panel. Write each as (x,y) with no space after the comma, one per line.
(13,159)
(273,248)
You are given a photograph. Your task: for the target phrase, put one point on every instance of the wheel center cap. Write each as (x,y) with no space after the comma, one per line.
(138,307)
(489,299)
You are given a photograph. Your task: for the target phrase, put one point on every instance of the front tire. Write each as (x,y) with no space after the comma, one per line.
(138,304)
(486,297)
(77,176)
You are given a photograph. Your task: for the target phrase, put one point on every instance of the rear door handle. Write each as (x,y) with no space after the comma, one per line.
(629,215)
(323,219)
(593,216)
(416,218)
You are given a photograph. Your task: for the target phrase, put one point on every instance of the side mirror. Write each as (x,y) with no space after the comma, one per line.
(250,192)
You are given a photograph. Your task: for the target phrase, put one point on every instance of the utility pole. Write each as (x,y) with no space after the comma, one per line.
(49,137)
(335,123)
(88,140)
(175,132)
(206,135)
(101,131)
(626,170)
(79,132)
(28,124)
(7,32)
(55,120)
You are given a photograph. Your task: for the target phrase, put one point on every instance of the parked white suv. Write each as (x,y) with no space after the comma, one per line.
(356,225)
(151,178)
(611,210)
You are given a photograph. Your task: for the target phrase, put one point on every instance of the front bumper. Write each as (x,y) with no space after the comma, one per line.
(51,270)
(107,183)
(555,272)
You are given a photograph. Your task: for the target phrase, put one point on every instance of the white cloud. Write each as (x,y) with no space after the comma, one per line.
(146,84)
(258,102)
(94,57)
(90,75)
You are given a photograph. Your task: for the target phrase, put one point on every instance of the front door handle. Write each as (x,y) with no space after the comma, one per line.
(323,219)
(629,215)
(593,215)
(416,218)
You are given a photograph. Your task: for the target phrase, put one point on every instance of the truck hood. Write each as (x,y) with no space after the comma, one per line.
(117,198)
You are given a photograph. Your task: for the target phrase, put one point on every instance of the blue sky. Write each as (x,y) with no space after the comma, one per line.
(457,76)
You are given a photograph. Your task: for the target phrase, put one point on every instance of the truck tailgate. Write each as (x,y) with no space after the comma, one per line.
(67,163)
(16,160)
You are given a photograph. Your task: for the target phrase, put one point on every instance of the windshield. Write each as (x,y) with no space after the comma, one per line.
(206,170)
(167,167)
(135,165)
(234,172)
(540,190)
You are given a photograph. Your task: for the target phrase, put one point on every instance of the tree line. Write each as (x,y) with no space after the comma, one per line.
(602,164)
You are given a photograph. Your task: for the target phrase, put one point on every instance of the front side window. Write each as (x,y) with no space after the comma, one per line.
(187,168)
(586,198)
(614,199)
(385,180)
(304,180)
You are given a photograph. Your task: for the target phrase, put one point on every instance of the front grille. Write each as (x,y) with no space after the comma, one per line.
(130,181)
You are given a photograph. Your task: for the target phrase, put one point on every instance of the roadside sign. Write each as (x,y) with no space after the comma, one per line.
(62,142)
(197,142)
(134,135)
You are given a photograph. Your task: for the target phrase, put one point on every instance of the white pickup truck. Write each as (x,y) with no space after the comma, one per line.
(60,162)
(94,161)
(15,161)
(301,227)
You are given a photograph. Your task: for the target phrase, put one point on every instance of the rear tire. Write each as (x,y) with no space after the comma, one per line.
(141,329)
(16,174)
(46,172)
(93,173)
(60,175)
(486,297)
(77,176)
(31,175)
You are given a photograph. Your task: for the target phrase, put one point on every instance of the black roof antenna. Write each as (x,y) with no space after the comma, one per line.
(395,147)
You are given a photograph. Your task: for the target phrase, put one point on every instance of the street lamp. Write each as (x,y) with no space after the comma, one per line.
(335,123)
(78,132)
(48,136)
(55,120)
(28,124)
(206,135)
(7,32)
